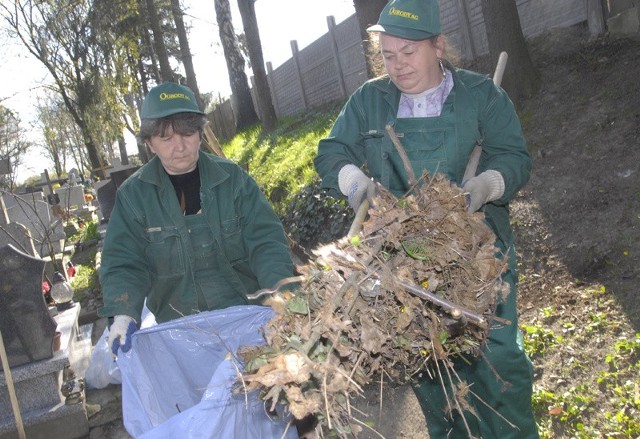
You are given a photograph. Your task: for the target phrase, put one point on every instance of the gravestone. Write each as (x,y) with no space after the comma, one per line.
(35,215)
(106,192)
(71,197)
(18,236)
(106,189)
(120,175)
(27,327)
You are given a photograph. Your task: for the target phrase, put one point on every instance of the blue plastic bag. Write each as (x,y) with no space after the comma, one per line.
(177,379)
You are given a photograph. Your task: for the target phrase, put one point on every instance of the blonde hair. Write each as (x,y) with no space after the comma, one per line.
(450,54)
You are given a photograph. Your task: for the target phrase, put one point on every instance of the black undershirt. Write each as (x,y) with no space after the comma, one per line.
(187,188)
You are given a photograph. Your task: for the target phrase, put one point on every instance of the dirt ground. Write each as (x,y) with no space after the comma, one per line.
(577,221)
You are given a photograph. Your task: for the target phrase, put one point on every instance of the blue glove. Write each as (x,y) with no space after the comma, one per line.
(486,187)
(120,333)
(356,186)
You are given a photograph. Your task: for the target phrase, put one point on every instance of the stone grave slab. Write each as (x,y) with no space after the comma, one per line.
(26,324)
(71,197)
(45,411)
(36,216)
(106,192)
(18,236)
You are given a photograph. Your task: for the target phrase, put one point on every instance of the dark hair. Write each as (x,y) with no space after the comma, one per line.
(181,123)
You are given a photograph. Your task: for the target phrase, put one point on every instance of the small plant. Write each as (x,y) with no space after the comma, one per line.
(538,339)
(85,279)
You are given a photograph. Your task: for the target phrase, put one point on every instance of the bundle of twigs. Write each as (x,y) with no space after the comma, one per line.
(418,284)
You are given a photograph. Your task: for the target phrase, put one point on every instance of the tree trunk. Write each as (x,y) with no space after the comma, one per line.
(166,74)
(243,104)
(185,51)
(504,33)
(122,147)
(263,92)
(367,13)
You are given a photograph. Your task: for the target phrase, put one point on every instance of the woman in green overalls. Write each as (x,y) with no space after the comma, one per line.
(439,114)
(189,231)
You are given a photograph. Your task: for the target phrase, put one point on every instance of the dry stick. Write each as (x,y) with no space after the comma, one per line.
(361,214)
(336,301)
(326,401)
(443,303)
(381,385)
(455,399)
(12,391)
(403,155)
(212,142)
(483,401)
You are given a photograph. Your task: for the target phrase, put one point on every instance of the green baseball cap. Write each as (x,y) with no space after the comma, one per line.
(410,19)
(169,98)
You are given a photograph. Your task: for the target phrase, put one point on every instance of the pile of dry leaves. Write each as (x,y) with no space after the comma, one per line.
(418,283)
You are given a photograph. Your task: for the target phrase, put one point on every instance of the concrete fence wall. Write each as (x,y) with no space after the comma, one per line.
(333,66)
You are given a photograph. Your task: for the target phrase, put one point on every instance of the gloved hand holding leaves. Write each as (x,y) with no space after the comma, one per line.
(120,333)
(486,187)
(356,186)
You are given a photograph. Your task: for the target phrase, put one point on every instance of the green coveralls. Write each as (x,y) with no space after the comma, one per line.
(185,264)
(475,111)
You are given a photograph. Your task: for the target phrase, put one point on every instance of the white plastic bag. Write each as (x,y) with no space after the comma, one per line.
(177,379)
(102,370)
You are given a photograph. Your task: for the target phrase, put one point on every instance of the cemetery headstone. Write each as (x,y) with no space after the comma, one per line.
(121,175)
(36,216)
(106,192)
(26,324)
(18,236)
(71,197)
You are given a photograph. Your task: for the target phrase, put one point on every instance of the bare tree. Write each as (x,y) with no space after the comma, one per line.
(62,137)
(242,103)
(166,74)
(185,51)
(13,146)
(263,92)
(72,41)
(504,33)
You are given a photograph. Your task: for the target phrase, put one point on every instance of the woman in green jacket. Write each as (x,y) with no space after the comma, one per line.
(189,231)
(439,114)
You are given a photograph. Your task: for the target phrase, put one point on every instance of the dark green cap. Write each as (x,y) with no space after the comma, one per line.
(410,19)
(169,98)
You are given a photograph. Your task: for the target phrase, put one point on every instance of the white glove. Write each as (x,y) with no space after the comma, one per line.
(486,187)
(120,333)
(356,186)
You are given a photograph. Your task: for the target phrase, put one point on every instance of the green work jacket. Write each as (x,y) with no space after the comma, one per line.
(152,251)
(476,111)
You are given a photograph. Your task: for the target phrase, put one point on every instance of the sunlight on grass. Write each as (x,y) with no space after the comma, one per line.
(282,162)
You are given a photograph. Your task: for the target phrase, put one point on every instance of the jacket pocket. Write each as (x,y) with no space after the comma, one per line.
(164,252)
(232,241)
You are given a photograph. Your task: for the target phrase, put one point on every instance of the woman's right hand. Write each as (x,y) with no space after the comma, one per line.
(356,186)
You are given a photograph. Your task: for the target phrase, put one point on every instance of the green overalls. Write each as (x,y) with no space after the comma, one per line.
(185,264)
(475,111)
(207,273)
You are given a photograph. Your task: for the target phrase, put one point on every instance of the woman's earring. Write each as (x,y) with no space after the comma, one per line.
(442,68)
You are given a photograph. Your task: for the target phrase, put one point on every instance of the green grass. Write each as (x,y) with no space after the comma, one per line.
(281,162)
